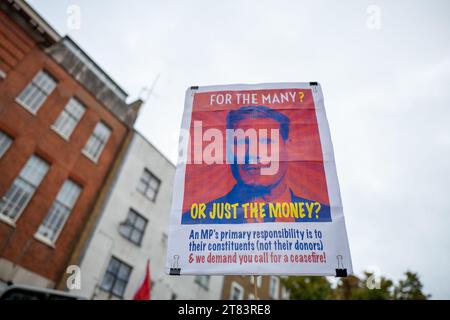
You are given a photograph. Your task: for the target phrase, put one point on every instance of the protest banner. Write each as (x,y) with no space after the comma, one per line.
(256,190)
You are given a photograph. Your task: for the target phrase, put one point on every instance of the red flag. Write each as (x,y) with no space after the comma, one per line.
(143,293)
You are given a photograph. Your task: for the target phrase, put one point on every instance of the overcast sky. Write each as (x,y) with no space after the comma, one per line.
(386,87)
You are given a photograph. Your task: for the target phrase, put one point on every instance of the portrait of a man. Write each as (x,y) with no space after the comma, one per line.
(251,184)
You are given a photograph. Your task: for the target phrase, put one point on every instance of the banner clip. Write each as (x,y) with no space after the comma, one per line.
(175,270)
(341,272)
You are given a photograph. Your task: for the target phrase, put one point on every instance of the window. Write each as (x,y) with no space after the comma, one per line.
(237,292)
(274,287)
(59,211)
(97,141)
(285,294)
(69,118)
(5,142)
(202,281)
(116,277)
(149,185)
(19,194)
(134,227)
(258,280)
(35,93)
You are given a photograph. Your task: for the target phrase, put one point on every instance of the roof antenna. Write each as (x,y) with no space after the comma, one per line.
(147,92)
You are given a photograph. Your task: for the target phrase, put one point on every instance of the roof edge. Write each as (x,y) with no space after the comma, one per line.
(39,21)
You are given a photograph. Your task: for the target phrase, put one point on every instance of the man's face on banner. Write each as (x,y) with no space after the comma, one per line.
(250,171)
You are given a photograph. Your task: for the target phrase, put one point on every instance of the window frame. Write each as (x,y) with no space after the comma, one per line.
(71,116)
(198,280)
(33,84)
(12,221)
(9,140)
(276,289)
(258,281)
(148,184)
(115,276)
(44,238)
(285,293)
(86,153)
(236,285)
(133,227)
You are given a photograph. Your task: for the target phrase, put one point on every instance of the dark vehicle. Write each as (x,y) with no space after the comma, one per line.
(18,292)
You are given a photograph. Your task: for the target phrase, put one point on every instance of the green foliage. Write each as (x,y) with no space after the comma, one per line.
(309,288)
(368,287)
(410,288)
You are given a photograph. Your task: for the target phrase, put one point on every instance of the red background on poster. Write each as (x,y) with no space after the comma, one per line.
(306,175)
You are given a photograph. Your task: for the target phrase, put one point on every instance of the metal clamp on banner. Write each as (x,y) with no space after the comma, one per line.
(341,272)
(314,86)
(193,89)
(175,270)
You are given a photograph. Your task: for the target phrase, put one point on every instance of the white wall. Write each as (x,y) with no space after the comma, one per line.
(21,276)
(107,241)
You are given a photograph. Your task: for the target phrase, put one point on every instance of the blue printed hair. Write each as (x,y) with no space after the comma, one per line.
(259,112)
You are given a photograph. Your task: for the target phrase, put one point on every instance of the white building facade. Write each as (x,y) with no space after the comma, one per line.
(132,229)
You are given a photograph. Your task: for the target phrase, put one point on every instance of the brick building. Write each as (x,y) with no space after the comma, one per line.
(63,125)
(243,288)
